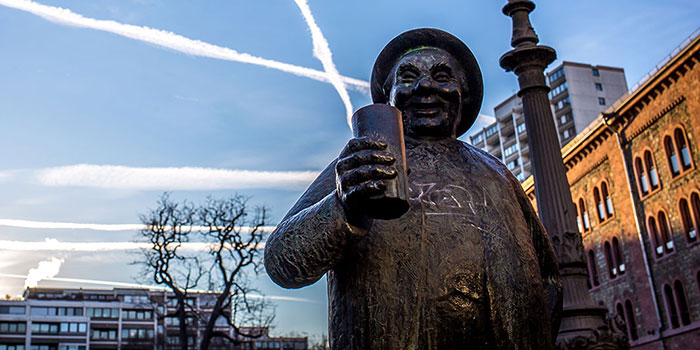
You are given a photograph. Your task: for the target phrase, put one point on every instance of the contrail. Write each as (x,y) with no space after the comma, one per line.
(147,286)
(322,51)
(172,41)
(183,178)
(84,226)
(45,269)
(52,244)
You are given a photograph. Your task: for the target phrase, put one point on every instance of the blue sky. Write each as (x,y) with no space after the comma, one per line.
(126,109)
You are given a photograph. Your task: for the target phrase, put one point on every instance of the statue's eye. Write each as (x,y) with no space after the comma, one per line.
(408,76)
(442,76)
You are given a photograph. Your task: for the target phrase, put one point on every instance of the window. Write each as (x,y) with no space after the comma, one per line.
(654,236)
(492,130)
(629,319)
(477,138)
(676,305)
(521,128)
(103,334)
(511,149)
(13,327)
(617,255)
(137,333)
(695,207)
(12,347)
(650,167)
(102,312)
(687,221)
(671,156)
(642,180)
(565,118)
(599,86)
(12,310)
(594,281)
(558,89)
(556,75)
(137,314)
(601,101)
(566,101)
(584,215)
(599,204)
(612,269)
(512,164)
(664,232)
(682,148)
(596,73)
(606,199)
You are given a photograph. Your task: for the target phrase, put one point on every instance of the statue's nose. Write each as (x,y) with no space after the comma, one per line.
(424,83)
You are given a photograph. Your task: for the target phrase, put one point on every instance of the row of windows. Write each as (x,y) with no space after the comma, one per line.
(558,89)
(660,231)
(556,75)
(520,128)
(511,149)
(137,314)
(102,312)
(137,333)
(11,346)
(512,164)
(604,207)
(13,327)
(645,166)
(627,314)
(614,260)
(56,311)
(103,334)
(676,305)
(55,328)
(490,131)
(12,310)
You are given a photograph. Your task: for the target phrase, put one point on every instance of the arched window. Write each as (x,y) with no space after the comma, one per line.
(578,219)
(650,166)
(612,269)
(695,210)
(682,302)
(584,215)
(682,148)
(606,199)
(654,235)
(598,204)
(617,255)
(687,221)
(665,232)
(621,312)
(641,177)
(592,269)
(672,156)
(671,307)
(629,318)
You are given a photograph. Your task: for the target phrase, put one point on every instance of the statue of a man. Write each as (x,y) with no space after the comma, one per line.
(469,266)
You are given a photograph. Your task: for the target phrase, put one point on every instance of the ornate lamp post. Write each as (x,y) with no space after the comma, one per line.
(583,324)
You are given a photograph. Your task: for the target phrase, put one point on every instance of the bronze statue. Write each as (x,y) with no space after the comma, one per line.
(468,266)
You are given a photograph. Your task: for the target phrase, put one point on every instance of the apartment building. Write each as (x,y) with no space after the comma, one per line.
(579,93)
(95,319)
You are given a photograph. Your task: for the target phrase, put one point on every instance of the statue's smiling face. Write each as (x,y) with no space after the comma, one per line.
(425,87)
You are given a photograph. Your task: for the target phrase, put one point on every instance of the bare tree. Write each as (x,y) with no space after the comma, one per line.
(231,234)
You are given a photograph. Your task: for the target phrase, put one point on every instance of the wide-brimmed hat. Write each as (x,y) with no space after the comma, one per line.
(412,40)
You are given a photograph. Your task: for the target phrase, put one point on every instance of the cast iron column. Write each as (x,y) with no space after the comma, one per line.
(583,324)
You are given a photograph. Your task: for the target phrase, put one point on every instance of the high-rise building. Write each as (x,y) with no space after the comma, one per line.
(579,92)
(93,319)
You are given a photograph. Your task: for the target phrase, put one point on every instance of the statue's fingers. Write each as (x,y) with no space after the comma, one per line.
(366,157)
(359,193)
(366,173)
(362,143)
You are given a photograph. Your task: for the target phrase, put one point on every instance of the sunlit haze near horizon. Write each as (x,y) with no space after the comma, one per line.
(106,104)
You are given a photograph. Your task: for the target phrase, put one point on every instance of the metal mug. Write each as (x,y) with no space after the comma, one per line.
(383,122)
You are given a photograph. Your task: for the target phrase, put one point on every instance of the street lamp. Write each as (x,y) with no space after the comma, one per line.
(583,324)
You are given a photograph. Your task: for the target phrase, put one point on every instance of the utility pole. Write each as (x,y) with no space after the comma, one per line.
(583,324)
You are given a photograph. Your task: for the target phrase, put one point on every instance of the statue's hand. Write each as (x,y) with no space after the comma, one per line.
(362,167)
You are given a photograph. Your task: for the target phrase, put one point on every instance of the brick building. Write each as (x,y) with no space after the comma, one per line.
(635,183)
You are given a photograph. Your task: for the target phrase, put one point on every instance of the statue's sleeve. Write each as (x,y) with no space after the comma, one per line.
(312,237)
(549,268)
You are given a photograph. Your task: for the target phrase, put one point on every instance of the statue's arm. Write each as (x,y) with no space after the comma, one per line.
(549,268)
(312,237)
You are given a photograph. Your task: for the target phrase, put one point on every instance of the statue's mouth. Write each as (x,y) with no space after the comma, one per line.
(426,109)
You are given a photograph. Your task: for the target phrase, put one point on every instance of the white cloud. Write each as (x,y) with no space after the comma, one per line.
(84,226)
(45,269)
(184,178)
(74,281)
(52,244)
(171,41)
(322,51)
